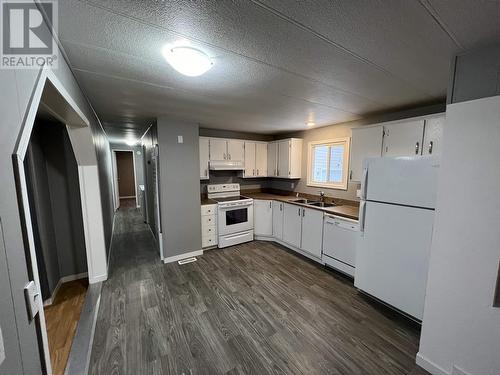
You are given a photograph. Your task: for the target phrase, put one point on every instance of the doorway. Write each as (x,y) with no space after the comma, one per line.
(55,205)
(125,179)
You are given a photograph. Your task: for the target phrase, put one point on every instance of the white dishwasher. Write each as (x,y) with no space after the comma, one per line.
(339,243)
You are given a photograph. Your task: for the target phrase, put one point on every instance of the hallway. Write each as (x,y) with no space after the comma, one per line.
(248,309)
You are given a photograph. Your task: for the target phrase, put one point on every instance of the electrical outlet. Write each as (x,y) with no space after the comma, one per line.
(180,139)
(292,185)
(2,349)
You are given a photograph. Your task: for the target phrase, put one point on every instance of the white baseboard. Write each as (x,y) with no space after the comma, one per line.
(175,258)
(98,279)
(65,279)
(128,197)
(430,366)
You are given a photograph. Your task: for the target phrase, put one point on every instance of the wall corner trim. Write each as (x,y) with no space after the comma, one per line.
(175,258)
(430,366)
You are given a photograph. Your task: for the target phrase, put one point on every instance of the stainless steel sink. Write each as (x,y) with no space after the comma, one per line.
(321,204)
(301,200)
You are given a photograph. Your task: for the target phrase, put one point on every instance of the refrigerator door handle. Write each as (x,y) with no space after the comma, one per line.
(362,209)
(364,182)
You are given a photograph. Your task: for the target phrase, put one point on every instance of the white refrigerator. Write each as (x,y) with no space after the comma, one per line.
(398,197)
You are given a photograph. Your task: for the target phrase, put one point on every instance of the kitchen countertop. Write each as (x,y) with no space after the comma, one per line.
(205,201)
(351,212)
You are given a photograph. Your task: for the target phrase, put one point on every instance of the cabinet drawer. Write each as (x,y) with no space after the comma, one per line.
(207,241)
(208,209)
(207,221)
(209,230)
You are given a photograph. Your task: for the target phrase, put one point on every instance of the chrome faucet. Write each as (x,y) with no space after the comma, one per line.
(321,196)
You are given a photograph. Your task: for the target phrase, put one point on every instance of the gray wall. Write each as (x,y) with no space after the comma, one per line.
(22,354)
(475,74)
(180,195)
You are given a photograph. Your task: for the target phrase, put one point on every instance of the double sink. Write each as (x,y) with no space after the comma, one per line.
(314,203)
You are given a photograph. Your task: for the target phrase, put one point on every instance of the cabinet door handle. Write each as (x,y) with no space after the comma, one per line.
(224,156)
(350,175)
(303,212)
(417,148)
(253,173)
(431,146)
(299,212)
(270,204)
(281,206)
(257,172)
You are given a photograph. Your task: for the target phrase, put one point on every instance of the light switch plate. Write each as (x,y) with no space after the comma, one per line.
(2,348)
(180,139)
(33,299)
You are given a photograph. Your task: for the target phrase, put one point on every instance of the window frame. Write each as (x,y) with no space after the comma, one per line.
(346,142)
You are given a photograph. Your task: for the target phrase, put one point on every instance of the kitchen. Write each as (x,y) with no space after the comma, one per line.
(312,189)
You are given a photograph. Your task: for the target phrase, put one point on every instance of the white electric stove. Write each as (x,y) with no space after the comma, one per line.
(234,214)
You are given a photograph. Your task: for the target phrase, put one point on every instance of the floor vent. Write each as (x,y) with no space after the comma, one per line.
(187,260)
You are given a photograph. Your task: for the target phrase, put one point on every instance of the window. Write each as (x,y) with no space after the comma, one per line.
(328,163)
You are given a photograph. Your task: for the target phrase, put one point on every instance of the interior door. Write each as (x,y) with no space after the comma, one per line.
(283,158)
(204,158)
(403,138)
(292,224)
(272,159)
(249,159)
(312,231)
(125,170)
(236,149)
(278,220)
(393,255)
(218,149)
(261,159)
(263,215)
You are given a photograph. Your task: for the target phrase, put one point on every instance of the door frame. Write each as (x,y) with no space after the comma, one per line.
(50,94)
(115,178)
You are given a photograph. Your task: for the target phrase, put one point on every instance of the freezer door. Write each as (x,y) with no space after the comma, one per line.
(392,255)
(410,181)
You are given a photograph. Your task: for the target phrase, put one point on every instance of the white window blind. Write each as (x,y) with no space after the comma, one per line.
(328,163)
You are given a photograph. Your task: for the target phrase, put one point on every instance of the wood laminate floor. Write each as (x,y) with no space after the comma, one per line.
(249,309)
(62,319)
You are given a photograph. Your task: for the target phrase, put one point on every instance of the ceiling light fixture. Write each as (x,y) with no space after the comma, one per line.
(187,60)
(131,142)
(310,123)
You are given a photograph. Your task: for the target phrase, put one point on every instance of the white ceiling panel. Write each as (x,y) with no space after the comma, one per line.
(278,63)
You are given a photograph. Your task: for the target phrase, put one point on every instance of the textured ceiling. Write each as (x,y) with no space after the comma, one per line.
(278,63)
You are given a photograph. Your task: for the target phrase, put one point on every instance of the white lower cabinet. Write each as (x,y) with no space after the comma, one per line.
(312,231)
(292,224)
(208,225)
(263,217)
(278,220)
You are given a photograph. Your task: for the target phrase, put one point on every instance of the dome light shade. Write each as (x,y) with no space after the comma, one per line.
(188,61)
(131,142)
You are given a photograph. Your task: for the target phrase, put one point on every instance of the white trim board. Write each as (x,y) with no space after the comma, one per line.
(430,366)
(175,258)
(116,187)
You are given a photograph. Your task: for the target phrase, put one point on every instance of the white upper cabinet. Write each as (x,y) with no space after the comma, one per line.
(204,158)
(235,149)
(250,170)
(312,231)
(255,159)
(433,135)
(218,149)
(272,159)
(261,159)
(403,138)
(285,158)
(366,142)
(263,217)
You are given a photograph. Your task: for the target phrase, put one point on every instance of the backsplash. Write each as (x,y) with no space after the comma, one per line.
(227,177)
